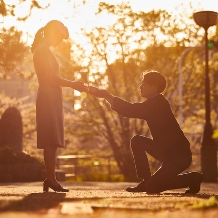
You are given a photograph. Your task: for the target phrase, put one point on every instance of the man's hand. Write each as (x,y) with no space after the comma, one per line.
(100,93)
(80,86)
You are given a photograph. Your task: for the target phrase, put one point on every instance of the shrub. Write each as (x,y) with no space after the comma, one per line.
(10,156)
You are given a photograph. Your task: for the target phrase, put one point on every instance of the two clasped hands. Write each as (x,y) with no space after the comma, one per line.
(97,92)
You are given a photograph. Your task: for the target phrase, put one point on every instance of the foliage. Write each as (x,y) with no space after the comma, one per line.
(117,56)
(28,119)
(12,48)
(205,204)
(10,156)
(114,57)
(93,176)
(99,165)
(11,129)
(18,166)
(12,51)
(9,9)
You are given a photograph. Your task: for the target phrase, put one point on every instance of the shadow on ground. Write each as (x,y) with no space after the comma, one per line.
(33,202)
(45,201)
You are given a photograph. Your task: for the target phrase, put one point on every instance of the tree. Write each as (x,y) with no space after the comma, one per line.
(12,48)
(14,62)
(118,55)
(12,51)
(9,9)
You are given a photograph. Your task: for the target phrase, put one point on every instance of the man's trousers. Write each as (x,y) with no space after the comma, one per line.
(168,176)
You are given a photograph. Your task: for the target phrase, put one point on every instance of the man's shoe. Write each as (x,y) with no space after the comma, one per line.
(195,183)
(139,188)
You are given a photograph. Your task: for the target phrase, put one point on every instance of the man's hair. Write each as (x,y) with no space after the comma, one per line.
(155,78)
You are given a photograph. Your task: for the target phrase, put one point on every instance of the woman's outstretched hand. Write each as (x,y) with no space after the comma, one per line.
(80,86)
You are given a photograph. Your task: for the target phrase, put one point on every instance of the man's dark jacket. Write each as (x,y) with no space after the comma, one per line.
(165,130)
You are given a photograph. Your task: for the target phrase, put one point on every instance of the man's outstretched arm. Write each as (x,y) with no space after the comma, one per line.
(122,107)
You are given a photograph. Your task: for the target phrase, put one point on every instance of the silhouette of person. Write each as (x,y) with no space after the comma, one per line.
(168,144)
(49,104)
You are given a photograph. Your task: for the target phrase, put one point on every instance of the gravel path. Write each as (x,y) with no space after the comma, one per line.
(104,199)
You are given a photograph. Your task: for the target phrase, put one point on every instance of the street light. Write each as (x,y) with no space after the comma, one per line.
(206,19)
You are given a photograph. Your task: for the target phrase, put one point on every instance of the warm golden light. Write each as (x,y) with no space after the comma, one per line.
(75,15)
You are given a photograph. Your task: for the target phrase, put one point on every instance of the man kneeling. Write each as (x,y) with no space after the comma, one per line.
(168,144)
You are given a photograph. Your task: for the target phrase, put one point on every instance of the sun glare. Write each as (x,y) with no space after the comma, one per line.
(170,5)
(76,15)
(73,14)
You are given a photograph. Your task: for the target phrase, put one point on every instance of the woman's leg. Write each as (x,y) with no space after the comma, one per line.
(50,163)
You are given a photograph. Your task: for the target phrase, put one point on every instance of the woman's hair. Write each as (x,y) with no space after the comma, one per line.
(155,78)
(38,38)
(52,26)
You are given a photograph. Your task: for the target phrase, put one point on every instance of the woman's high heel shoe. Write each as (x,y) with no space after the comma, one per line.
(59,188)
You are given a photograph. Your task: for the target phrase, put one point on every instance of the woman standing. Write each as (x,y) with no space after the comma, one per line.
(49,103)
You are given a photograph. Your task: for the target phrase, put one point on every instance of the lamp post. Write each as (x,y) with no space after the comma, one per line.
(206,19)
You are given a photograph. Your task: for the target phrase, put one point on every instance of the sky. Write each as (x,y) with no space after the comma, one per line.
(83,15)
